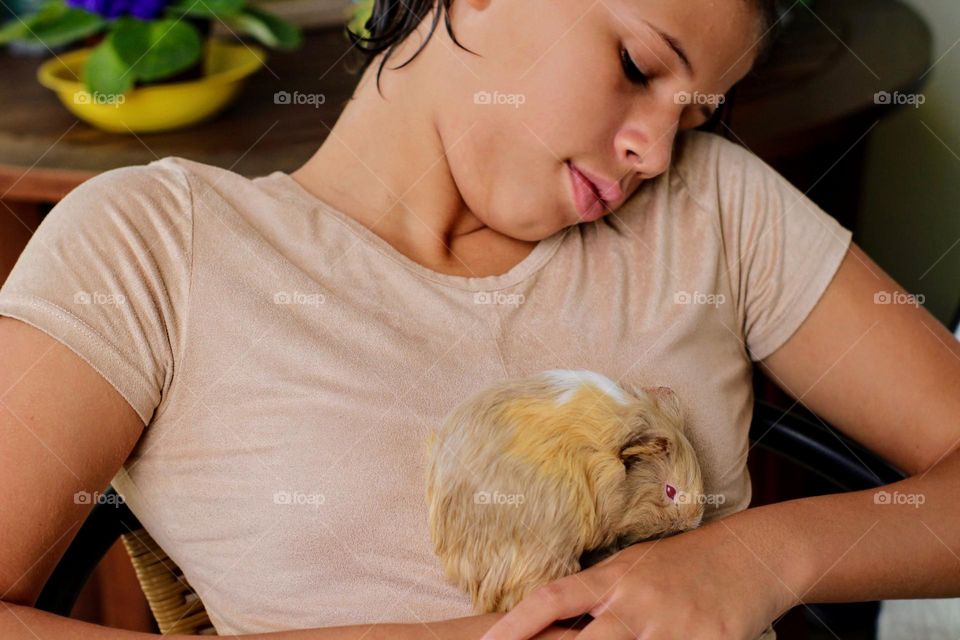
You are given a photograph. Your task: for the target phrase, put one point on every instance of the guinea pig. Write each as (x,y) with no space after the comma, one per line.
(535,478)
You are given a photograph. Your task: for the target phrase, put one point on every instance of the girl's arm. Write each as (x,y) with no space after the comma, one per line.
(18,622)
(874,363)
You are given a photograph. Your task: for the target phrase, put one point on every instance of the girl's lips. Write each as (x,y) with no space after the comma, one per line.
(589,203)
(609,190)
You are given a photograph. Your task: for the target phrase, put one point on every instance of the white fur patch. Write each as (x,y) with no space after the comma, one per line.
(569,380)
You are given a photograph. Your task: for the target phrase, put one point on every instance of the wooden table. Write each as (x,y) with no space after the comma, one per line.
(45,151)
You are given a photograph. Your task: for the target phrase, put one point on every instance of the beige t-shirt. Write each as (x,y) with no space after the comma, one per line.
(288,362)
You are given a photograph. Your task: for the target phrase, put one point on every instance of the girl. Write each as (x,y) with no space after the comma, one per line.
(254,363)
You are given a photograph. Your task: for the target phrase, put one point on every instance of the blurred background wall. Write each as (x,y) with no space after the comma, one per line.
(912,182)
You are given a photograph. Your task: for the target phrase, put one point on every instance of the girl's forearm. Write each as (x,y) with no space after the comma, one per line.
(898,541)
(20,622)
(467,628)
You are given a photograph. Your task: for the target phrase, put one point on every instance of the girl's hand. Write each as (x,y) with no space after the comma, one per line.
(691,585)
(453,629)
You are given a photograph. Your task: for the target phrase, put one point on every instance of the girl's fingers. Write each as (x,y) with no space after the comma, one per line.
(610,627)
(567,597)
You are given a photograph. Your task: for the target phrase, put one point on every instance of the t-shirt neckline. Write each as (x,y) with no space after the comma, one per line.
(531,263)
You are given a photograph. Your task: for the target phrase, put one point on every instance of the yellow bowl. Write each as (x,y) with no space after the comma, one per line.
(157,107)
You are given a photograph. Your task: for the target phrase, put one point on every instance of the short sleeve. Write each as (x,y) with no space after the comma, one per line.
(107,273)
(782,250)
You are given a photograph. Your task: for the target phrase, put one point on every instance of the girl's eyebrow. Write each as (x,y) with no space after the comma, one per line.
(677,48)
(674,44)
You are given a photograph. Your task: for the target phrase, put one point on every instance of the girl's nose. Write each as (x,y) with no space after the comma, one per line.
(644,144)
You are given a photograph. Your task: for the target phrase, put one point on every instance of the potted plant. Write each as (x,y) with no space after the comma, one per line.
(148,65)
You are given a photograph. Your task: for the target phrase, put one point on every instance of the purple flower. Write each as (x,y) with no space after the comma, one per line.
(142,9)
(147,9)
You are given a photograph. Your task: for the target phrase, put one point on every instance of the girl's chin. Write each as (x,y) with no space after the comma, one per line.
(528,233)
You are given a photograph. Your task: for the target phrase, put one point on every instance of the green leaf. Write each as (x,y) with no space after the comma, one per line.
(72,25)
(156,49)
(206,8)
(268,28)
(19,28)
(12,30)
(105,72)
(361,11)
(53,22)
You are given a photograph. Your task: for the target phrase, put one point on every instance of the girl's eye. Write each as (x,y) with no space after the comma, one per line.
(633,74)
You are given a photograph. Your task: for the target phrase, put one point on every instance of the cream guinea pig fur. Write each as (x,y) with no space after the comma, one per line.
(535,478)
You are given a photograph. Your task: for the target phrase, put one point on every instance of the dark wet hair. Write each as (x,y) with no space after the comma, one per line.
(391,21)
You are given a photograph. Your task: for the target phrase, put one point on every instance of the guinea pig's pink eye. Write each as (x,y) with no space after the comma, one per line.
(670,490)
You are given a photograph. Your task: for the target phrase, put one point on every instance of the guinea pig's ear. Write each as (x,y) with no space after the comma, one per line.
(644,446)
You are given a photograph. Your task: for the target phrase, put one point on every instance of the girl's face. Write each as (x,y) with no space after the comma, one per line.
(553,87)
